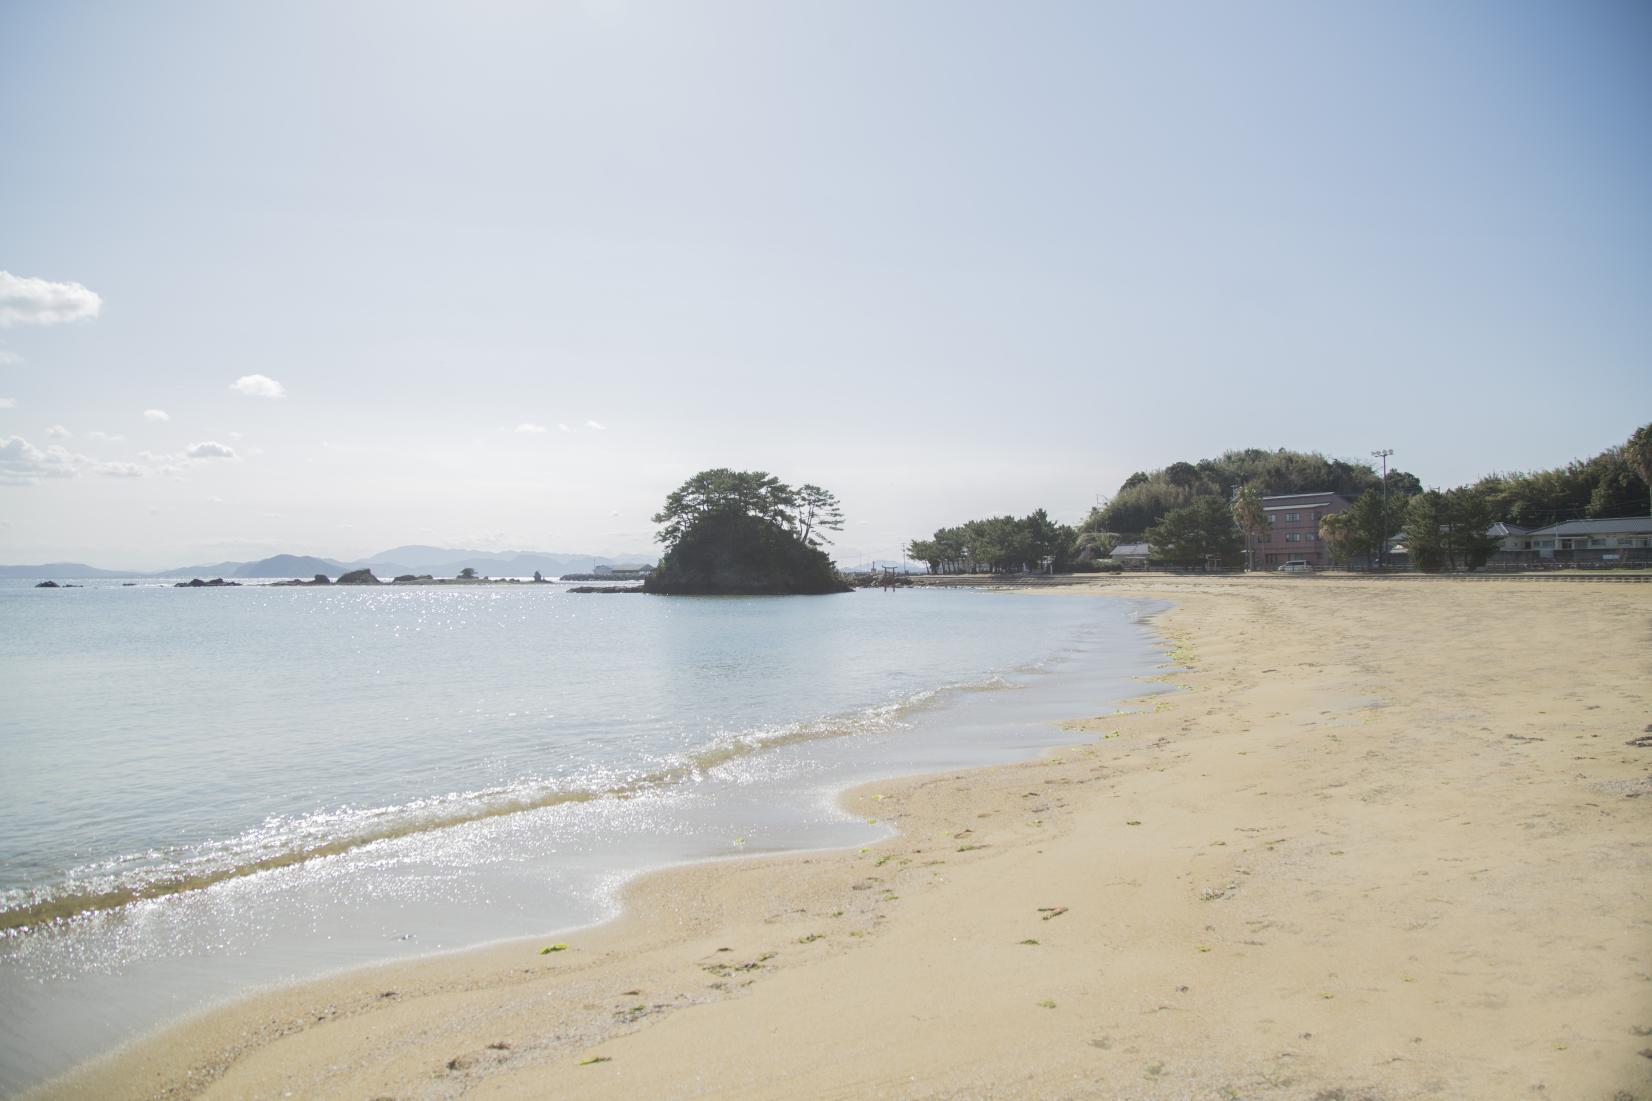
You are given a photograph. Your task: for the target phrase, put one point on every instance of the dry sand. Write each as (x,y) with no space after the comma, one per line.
(1387,839)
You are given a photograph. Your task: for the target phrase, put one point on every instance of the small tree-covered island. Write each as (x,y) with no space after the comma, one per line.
(746,533)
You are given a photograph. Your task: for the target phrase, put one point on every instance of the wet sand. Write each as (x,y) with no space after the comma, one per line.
(1388,839)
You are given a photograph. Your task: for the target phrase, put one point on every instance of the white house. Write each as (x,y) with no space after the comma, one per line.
(1132,556)
(1613,539)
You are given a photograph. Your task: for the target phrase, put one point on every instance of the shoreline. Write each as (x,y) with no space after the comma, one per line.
(729,978)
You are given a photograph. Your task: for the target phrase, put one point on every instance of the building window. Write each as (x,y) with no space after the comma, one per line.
(1292,517)
(1597,542)
(1293,537)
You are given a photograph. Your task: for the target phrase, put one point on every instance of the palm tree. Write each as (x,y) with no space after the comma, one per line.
(1252,519)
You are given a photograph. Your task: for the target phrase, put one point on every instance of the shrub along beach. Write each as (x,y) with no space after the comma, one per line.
(1386,838)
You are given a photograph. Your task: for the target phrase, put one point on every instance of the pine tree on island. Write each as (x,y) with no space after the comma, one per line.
(746,532)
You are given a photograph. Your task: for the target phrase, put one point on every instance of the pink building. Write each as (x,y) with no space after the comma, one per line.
(1293,523)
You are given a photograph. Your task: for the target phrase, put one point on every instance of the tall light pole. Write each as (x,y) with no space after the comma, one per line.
(1382,550)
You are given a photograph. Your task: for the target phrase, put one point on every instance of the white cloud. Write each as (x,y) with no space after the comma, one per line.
(8,403)
(110,437)
(214,500)
(22,463)
(8,358)
(118,470)
(58,432)
(530,429)
(258,386)
(563,428)
(209,449)
(595,425)
(29,301)
(156,415)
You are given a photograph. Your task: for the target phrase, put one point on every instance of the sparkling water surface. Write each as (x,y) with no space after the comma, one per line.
(301,780)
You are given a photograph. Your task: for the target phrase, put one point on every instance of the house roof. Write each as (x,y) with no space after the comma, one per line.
(1301,497)
(1499,530)
(1612,525)
(1131,550)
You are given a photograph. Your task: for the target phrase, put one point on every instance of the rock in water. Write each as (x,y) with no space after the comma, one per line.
(358,577)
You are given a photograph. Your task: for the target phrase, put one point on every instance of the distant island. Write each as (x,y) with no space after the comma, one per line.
(745,533)
(409,560)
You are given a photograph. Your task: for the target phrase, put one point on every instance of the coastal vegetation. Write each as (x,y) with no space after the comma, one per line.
(1202,532)
(745,532)
(1194,512)
(998,544)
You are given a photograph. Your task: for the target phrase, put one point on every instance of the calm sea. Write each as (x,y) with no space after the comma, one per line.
(208,791)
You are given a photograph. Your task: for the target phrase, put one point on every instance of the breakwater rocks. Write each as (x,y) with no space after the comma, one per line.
(606,589)
(215,583)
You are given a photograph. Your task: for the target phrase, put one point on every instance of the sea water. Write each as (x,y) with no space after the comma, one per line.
(204,792)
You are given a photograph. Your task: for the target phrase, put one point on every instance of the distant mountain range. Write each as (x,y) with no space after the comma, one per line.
(438,561)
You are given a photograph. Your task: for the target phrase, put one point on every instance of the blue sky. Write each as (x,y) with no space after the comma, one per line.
(947,259)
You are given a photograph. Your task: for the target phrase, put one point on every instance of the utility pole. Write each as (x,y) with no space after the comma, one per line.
(1382,551)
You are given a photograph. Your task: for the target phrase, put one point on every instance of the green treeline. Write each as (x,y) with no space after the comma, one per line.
(998,545)
(1192,513)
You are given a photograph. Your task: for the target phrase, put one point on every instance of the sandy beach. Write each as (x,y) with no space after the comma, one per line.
(1381,840)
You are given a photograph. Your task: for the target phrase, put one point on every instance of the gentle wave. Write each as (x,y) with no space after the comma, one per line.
(116,883)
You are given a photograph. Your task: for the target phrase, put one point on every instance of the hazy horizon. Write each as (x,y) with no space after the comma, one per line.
(325,279)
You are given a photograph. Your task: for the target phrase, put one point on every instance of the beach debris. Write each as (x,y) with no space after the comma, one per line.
(499,1045)
(596,1059)
(1029,940)
(1133,822)
(739,840)
(1052,911)
(1047,1003)
(461,1062)
(970,848)
(1202,947)
(1640,1030)
(810,938)
(549,948)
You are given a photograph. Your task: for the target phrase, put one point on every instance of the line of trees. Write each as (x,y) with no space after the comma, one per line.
(998,544)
